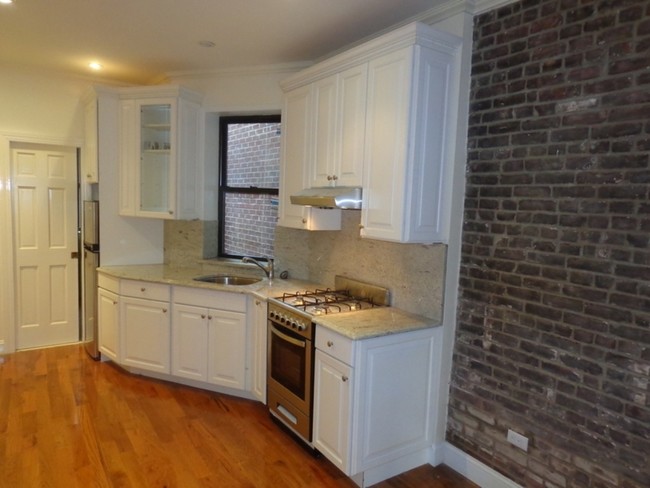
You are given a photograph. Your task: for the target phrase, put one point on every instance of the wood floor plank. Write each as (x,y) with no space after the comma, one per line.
(67,421)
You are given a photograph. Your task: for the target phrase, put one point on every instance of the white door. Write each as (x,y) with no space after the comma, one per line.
(46,245)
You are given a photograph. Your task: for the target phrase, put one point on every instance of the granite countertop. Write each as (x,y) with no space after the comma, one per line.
(357,325)
(374,322)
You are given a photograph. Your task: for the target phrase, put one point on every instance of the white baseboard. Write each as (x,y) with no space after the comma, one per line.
(474,470)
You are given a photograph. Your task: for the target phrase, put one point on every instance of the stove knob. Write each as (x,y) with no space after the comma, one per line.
(283,319)
(294,324)
(272,315)
(301,326)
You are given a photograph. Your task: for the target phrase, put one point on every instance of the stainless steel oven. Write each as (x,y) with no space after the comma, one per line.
(290,368)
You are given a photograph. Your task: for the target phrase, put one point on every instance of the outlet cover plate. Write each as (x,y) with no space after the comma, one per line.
(518,440)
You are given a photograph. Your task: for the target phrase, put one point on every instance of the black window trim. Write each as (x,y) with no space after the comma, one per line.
(224,121)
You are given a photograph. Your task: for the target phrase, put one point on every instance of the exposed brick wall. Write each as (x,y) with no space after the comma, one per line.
(253,160)
(553,332)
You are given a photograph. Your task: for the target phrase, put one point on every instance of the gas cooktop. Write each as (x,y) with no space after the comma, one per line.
(349,295)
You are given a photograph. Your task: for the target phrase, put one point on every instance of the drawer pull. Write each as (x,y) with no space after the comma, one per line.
(344,379)
(330,343)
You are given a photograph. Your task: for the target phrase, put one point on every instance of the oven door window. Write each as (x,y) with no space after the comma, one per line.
(289,361)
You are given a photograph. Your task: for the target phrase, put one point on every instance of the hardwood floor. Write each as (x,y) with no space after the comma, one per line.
(68,421)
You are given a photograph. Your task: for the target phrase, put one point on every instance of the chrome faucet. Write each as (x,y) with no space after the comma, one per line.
(268,269)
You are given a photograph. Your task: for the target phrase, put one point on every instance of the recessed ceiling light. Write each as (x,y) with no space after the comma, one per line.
(206,44)
(6,2)
(94,65)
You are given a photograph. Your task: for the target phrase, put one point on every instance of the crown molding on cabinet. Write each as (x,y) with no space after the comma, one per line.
(483,6)
(407,35)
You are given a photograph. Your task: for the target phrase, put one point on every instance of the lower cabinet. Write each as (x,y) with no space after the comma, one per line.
(332,409)
(181,332)
(108,317)
(258,313)
(146,334)
(209,337)
(374,400)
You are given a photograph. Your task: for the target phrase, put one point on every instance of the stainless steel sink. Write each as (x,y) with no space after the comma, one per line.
(222,279)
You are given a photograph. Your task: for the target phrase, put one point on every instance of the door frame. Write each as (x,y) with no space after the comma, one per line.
(7,262)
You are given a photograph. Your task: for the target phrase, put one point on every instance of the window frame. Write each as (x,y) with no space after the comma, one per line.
(224,189)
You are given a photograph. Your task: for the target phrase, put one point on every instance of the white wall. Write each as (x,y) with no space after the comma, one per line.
(34,107)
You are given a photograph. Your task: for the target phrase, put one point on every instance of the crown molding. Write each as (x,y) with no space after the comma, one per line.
(483,6)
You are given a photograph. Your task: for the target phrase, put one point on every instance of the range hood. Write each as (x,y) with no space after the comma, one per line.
(329,197)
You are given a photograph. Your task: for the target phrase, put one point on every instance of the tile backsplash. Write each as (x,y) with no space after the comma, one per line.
(414,273)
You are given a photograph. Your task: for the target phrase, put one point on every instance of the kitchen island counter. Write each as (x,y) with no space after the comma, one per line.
(357,325)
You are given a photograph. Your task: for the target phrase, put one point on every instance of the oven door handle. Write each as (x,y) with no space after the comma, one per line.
(290,340)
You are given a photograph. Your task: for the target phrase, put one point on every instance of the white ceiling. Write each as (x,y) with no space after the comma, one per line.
(140,41)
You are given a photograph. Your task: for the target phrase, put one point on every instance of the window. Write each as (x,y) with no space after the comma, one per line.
(248,186)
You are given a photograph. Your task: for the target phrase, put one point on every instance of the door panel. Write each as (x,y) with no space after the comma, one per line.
(45,238)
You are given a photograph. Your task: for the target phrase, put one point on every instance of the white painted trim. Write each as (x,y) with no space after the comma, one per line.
(474,470)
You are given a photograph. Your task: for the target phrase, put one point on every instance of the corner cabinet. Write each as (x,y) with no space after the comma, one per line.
(362,422)
(381,115)
(160,156)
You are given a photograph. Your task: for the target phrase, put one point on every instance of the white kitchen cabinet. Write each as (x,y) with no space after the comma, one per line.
(99,112)
(258,314)
(209,337)
(160,153)
(108,317)
(382,115)
(407,149)
(227,349)
(89,162)
(145,326)
(338,129)
(333,381)
(361,422)
(297,149)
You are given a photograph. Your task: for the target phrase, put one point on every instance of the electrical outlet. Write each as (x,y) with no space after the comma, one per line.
(518,440)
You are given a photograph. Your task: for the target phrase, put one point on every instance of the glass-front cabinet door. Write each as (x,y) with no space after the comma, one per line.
(157,166)
(161,161)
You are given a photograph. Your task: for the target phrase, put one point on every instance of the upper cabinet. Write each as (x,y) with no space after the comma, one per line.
(160,153)
(338,128)
(297,149)
(381,115)
(100,115)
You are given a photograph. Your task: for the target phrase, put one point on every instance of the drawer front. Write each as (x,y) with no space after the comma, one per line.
(200,297)
(109,283)
(334,344)
(143,289)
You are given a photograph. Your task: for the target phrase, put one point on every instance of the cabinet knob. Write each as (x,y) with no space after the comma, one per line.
(360,226)
(209,317)
(257,302)
(164,310)
(89,175)
(330,343)
(203,316)
(171,212)
(344,379)
(143,289)
(304,221)
(114,303)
